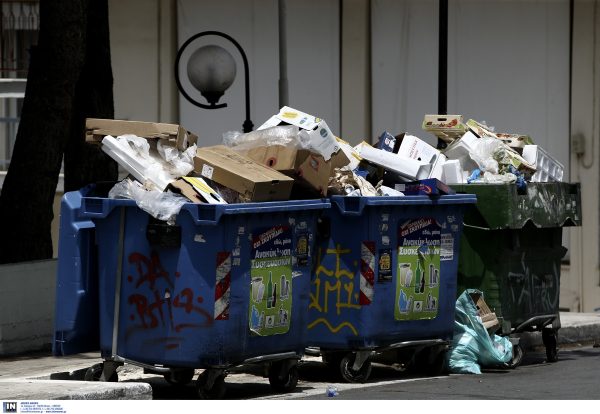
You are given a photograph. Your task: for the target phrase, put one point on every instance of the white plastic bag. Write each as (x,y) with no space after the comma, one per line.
(499,178)
(485,152)
(162,206)
(288,136)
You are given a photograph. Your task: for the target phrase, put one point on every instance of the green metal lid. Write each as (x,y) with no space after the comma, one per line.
(502,206)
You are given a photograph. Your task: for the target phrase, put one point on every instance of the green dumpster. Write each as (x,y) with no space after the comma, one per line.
(511,250)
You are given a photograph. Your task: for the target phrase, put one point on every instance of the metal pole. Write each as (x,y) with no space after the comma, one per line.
(283,81)
(443,65)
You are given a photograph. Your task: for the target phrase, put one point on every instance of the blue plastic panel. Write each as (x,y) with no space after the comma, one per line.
(337,320)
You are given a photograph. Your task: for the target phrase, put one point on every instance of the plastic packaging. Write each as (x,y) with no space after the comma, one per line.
(160,205)
(288,136)
(487,153)
(499,178)
(343,177)
(472,346)
(332,391)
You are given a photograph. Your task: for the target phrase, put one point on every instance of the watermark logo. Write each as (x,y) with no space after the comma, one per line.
(9,407)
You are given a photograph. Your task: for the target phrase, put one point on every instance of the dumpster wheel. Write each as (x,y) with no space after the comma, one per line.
(180,377)
(95,372)
(550,339)
(516,359)
(285,383)
(216,392)
(349,374)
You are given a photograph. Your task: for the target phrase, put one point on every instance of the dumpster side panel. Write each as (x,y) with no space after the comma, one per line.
(189,307)
(338,319)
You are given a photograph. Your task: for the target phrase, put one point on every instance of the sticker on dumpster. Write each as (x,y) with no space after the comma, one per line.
(418,271)
(447,247)
(385,266)
(271,284)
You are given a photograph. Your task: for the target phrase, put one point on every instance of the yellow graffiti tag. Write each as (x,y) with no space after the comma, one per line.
(331,328)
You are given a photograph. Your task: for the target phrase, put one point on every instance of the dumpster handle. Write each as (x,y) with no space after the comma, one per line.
(118,287)
(476,227)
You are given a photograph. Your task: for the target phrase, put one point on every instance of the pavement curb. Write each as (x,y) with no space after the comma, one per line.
(26,389)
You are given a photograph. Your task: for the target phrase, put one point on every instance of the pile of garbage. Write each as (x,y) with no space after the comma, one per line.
(295,155)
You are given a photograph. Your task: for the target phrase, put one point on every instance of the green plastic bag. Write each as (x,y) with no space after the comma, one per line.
(472,346)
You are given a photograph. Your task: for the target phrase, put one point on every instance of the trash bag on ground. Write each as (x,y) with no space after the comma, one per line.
(160,205)
(288,136)
(472,346)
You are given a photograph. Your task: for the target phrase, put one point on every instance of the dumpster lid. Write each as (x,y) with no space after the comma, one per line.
(502,206)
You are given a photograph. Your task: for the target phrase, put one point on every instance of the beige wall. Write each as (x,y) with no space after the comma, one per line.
(580,282)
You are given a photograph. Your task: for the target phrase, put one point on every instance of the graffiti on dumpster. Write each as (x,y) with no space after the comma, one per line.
(165,306)
(533,293)
(343,287)
(271,280)
(417,284)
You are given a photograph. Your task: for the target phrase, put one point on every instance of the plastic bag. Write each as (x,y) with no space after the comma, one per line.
(288,136)
(472,346)
(499,178)
(162,206)
(178,163)
(136,144)
(487,152)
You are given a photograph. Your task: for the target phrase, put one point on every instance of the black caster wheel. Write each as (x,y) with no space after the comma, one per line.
(217,391)
(516,360)
(180,377)
(351,375)
(436,368)
(550,339)
(285,384)
(95,372)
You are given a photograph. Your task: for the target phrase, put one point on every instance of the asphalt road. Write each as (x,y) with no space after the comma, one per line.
(576,376)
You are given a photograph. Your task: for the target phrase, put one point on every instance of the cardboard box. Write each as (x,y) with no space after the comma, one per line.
(322,138)
(490,322)
(252,180)
(387,142)
(172,135)
(516,141)
(308,169)
(446,127)
(430,186)
(482,131)
(196,189)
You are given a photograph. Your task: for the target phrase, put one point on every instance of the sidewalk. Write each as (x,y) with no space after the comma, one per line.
(28,377)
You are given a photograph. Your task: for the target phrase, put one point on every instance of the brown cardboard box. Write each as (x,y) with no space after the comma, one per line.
(172,135)
(308,169)
(196,190)
(446,127)
(490,322)
(252,180)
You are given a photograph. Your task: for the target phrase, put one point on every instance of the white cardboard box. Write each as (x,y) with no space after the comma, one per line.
(322,138)
(404,166)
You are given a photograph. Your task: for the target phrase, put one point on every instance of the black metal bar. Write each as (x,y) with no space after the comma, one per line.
(248,125)
(443,65)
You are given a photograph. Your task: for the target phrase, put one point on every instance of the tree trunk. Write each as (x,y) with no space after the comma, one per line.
(30,185)
(85,163)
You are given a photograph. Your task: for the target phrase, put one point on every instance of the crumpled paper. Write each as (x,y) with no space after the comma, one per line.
(343,177)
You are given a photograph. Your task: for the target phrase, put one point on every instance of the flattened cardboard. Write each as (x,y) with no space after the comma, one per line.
(489,319)
(172,135)
(308,169)
(196,189)
(254,182)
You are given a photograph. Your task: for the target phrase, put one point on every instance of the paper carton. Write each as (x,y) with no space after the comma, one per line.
(481,130)
(322,139)
(196,189)
(399,164)
(490,322)
(308,169)
(430,186)
(446,127)
(387,142)
(172,135)
(516,141)
(252,180)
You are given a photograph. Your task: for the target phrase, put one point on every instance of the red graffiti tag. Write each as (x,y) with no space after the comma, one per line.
(154,269)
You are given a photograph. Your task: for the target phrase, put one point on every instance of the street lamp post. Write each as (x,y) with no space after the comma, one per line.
(211,70)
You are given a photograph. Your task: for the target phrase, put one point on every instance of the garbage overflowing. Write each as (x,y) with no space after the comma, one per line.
(295,155)
(474,343)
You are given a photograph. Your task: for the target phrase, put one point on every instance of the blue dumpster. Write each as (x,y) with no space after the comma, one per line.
(384,277)
(225,285)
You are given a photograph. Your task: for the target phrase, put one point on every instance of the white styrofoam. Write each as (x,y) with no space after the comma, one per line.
(548,167)
(461,150)
(452,172)
(404,166)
